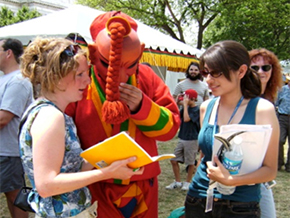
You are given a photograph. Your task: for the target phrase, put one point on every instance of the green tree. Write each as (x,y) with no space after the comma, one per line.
(169,16)
(7,16)
(254,23)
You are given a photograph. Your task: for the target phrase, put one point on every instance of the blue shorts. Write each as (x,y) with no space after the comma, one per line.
(11,174)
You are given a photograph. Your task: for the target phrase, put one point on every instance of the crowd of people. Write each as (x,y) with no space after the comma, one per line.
(83,98)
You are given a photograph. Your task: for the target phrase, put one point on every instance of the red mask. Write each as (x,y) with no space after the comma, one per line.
(115,54)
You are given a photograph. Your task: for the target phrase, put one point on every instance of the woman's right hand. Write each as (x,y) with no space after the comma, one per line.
(120,170)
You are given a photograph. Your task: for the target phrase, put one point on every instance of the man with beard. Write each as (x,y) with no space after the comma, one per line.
(192,81)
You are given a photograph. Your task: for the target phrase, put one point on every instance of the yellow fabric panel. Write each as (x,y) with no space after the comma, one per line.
(163,131)
(152,117)
(93,94)
(173,61)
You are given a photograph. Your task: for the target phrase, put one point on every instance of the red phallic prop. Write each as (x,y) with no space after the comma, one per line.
(115,111)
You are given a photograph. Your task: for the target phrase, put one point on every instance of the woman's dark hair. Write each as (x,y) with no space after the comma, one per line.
(227,56)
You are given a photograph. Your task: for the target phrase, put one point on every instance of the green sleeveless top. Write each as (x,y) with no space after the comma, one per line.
(199,185)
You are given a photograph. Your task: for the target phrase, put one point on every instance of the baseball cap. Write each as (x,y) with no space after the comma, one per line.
(191,94)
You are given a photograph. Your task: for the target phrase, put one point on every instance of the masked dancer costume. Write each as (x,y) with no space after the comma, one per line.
(115,56)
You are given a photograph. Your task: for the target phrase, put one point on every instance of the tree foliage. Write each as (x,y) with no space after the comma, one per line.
(172,17)
(7,16)
(254,23)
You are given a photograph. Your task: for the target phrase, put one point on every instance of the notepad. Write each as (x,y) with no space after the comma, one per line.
(119,147)
(255,143)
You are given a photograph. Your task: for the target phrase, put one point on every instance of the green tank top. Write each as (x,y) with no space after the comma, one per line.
(200,181)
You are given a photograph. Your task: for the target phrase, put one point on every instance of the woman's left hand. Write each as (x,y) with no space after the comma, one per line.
(218,172)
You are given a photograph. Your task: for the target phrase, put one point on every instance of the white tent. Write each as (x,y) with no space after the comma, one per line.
(77,19)
(163,52)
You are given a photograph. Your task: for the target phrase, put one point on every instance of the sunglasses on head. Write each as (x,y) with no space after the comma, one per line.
(214,74)
(265,68)
(68,52)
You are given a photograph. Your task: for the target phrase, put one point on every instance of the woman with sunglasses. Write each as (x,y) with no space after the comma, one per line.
(225,66)
(267,65)
(50,148)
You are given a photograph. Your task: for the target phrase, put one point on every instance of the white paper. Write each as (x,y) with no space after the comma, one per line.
(254,145)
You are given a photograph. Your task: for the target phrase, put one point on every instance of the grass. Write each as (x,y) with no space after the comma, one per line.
(169,199)
(172,199)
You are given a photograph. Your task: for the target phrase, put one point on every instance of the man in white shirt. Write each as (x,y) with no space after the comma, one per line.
(192,81)
(15,96)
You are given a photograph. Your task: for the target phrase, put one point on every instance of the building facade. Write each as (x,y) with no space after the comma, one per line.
(42,6)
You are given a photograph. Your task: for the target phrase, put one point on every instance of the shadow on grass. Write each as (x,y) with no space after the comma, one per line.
(172,199)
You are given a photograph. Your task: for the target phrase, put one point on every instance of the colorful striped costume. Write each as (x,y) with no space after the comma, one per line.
(157,119)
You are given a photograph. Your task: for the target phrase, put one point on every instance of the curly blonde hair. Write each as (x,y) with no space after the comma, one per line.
(43,63)
(275,81)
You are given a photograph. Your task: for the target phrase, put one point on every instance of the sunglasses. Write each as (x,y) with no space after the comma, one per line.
(265,68)
(214,74)
(69,52)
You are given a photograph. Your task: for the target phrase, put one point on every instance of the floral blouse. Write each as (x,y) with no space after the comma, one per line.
(63,205)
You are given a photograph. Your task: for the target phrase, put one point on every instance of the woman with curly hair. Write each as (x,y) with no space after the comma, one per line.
(50,147)
(267,65)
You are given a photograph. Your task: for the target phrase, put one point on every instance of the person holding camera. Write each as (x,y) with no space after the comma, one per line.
(187,146)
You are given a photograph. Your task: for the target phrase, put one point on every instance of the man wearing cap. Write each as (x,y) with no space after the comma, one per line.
(187,146)
(124,96)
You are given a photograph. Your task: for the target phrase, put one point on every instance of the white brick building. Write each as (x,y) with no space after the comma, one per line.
(42,6)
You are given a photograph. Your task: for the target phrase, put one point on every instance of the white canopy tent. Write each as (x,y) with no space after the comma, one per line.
(77,19)
(162,51)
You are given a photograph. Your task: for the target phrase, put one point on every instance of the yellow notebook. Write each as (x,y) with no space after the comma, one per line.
(118,147)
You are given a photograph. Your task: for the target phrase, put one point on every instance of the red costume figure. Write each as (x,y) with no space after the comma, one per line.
(124,96)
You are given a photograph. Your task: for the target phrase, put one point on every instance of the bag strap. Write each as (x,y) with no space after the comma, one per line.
(22,121)
(24,118)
